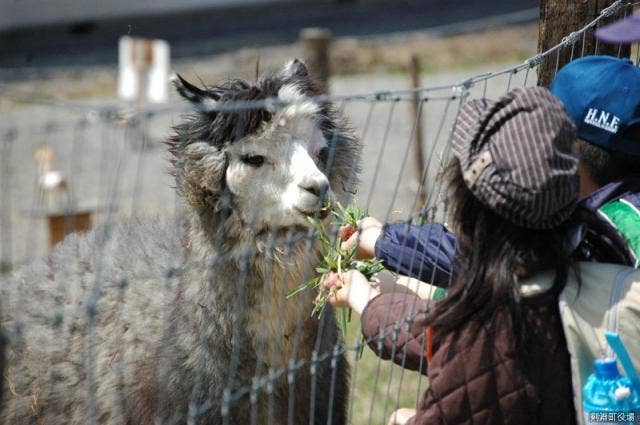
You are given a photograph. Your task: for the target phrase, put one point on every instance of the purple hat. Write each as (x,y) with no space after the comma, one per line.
(625,30)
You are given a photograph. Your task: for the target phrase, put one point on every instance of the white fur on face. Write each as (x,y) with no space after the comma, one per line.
(274,194)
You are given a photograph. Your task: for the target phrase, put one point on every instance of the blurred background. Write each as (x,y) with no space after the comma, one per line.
(69,48)
(55,32)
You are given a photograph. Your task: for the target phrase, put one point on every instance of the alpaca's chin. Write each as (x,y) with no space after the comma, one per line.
(284,238)
(284,233)
(286,243)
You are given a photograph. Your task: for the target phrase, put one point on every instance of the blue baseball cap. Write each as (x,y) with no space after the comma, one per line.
(602,96)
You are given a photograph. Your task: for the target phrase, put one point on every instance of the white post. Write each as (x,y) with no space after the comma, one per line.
(143,69)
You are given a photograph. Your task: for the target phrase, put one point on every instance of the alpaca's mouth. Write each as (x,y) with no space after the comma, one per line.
(286,231)
(320,213)
(296,230)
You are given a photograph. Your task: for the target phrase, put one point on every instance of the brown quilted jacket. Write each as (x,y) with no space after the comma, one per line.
(479,378)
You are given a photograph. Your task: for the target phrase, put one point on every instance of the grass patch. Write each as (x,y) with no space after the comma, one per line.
(350,56)
(378,387)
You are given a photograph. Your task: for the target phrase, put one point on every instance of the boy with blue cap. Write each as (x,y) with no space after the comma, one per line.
(602,96)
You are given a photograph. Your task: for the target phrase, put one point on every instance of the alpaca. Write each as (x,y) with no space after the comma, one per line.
(184,320)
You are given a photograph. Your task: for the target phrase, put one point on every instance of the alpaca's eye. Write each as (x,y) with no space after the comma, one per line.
(253,160)
(323,155)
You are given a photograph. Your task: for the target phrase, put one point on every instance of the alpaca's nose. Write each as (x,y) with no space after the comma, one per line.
(315,185)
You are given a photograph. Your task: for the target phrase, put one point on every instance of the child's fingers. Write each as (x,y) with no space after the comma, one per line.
(351,242)
(368,222)
(346,232)
(332,280)
(401,416)
(337,299)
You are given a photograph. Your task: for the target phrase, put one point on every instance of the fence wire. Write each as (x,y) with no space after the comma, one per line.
(110,328)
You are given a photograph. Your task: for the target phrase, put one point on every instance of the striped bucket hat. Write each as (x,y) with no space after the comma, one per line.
(517,156)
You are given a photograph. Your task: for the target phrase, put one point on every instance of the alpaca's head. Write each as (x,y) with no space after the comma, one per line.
(264,168)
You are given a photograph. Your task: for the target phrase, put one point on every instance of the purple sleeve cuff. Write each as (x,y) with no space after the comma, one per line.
(426,252)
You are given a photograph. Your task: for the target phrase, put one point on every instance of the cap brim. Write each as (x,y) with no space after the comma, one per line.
(626,30)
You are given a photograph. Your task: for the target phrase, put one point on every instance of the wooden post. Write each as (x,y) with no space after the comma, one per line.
(56,201)
(414,74)
(143,69)
(315,52)
(61,225)
(558,19)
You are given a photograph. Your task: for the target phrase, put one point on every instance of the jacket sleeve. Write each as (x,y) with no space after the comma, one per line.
(426,252)
(393,327)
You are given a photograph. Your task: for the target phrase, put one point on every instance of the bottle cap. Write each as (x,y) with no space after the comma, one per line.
(606,368)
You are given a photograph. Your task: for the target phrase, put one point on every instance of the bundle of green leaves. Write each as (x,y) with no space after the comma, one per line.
(336,259)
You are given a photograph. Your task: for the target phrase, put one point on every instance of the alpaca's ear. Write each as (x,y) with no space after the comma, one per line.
(295,68)
(203,98)
(188,90)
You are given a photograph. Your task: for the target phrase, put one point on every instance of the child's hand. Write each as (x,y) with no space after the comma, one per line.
(352,290)
(364,237)
(401,416)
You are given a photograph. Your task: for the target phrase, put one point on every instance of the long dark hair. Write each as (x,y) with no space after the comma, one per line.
(495,255)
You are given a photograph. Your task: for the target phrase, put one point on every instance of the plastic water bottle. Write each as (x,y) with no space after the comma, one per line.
(608,398)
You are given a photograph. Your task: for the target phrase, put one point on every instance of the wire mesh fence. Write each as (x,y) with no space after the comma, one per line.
(174,308)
